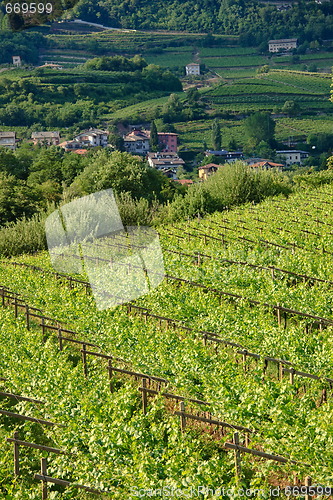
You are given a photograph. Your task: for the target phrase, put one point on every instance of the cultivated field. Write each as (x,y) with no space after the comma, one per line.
(242,321)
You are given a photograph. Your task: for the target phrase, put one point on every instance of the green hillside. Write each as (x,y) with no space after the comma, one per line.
(254,20)
(255,283)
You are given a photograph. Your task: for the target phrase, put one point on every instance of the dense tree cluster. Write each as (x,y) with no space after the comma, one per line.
(32,177)
(116,63)
(65,99)
(26,45)
(255,21)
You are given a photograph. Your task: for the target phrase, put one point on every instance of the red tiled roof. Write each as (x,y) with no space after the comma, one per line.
(80,151)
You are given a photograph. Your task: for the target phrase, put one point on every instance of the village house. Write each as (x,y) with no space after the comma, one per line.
(161,160)
(192,69)
(137,142)
(168,141)
(8,140)
(46,138)
(266,165)
(206,170)
(168,163)
(293,156)
(92,138)
(283,44)
(226,155)
(70,145)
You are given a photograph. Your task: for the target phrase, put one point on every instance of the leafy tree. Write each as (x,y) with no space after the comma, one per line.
(16,198)
(115,63)
(153,141)
(291,108)
(232,146)
(321,143)
(192,96)
(216,136)
(173,109)
(10,164)
(313,68)
(264,150)
(123,173)
(47,166)
(263,69)
(260,127)
(116,141)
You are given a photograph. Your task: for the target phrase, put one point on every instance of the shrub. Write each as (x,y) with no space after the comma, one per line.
(23,236)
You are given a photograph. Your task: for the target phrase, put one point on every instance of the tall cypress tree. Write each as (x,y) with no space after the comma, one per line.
(216,136)
(153,142)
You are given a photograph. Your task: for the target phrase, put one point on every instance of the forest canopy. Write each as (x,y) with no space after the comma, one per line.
(255,21)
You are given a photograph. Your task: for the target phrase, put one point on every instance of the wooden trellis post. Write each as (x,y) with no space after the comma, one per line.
(16,456)
(27,316)
(15,306)
(237,456)
(84,360)
(110,375)
(279,314)
(323,398)
(144,396)
(43,471)
(60,339)
(182,417)
(264,368)
(244,355)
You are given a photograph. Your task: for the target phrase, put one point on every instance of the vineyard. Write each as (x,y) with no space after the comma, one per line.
(221,376)
(272,89)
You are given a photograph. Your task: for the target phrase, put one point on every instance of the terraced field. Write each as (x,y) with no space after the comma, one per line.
(243,321)
(311,91)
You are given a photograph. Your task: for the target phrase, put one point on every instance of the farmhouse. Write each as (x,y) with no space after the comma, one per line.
(93,137)
(206,170)
(164,160)
(46,138)
(168,141)
(292,157)
(192,69)
(8,139)
(137,142)
(282,44)
(70,145)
